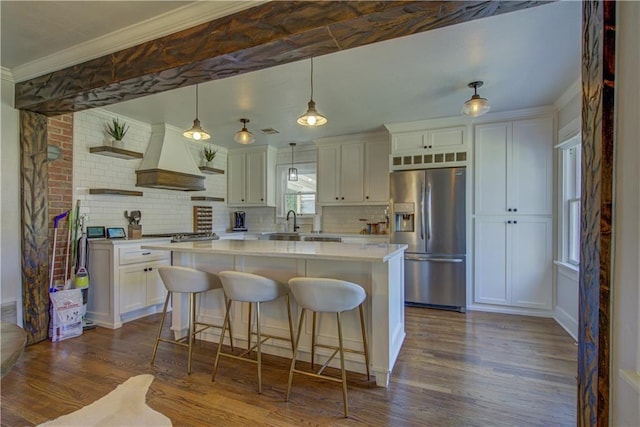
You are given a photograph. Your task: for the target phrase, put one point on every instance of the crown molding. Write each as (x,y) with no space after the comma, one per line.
(5,74)
(568,94)
(179,19)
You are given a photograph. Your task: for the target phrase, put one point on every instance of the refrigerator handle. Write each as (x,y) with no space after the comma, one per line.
(422,217)
(408,257)
(428,211)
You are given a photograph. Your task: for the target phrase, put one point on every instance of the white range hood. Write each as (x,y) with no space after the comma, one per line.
(167,163)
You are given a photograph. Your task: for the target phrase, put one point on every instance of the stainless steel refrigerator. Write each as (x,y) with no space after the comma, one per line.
(428,214)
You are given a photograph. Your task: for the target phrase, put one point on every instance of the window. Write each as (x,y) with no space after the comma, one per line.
(570,183)
(298,195)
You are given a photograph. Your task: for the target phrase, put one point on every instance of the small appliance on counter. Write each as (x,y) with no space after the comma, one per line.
(239,221)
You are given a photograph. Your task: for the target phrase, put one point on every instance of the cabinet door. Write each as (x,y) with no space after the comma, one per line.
(236,179)
(491,249)
(133,288)
(156,291)
(531,168)
(492,150)
(376,179)
(531,262)
(408,141)
(328,174)
(352,172)
(451,137)
(256,164)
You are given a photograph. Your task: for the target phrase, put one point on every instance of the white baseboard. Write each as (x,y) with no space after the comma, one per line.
(567,322)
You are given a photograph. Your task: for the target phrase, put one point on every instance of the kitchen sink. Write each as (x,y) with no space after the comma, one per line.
(285,236)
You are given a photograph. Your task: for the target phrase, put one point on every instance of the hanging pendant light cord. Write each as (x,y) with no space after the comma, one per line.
(196,101)
(312,79)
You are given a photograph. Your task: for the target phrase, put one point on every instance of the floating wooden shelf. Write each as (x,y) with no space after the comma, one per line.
(207,169)
(119,153)
(113,192)
(207,199)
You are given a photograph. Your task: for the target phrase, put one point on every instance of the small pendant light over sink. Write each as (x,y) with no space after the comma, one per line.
(293,172)
(196,132)
(312,117)
(243,136)
(476,106)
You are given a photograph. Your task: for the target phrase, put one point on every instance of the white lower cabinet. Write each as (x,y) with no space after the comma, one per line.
(513,261)
(124,283)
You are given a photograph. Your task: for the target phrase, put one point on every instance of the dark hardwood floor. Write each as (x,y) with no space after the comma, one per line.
(478,369)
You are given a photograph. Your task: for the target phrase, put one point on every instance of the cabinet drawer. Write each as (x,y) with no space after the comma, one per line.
(135,254)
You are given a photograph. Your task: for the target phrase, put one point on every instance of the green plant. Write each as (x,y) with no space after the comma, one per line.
(209,153)
(117,130)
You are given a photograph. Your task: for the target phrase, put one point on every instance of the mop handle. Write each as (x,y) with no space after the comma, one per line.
(56,220)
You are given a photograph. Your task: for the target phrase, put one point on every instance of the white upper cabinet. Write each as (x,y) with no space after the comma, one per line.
(251,176)
(353,169)
(431,139)
(514,167)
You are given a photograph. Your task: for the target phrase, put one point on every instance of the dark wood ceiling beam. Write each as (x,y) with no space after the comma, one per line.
(271,34)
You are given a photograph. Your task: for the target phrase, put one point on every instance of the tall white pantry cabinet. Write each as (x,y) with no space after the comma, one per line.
(513,171)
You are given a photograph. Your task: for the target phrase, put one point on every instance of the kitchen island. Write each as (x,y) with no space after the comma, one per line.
(378,268)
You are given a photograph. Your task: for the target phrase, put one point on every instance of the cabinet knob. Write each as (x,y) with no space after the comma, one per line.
(515,222)
(150,268)
(261,199)
(336,198)
(243,200)
(342,198)
(509,222)
(509,210)
(515,210)
(367,197)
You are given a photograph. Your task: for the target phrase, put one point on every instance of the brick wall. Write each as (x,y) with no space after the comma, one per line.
(60,185)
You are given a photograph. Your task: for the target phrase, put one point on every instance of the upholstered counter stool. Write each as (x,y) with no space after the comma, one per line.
(254,289)
(192,282)
(322,295)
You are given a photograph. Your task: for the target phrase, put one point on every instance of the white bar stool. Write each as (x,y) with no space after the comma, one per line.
(192,282)
(322,295)
(254,289)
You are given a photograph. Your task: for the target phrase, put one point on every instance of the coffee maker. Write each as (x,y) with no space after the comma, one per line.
(239,221)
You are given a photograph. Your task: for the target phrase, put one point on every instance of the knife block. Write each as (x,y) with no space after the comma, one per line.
(135,231)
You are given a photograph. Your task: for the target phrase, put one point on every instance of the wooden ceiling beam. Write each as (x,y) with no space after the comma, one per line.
(267,35)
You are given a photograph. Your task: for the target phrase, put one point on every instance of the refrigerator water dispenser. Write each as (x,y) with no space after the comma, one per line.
(404,217)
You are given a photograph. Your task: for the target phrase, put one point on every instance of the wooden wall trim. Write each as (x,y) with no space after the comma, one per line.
(267,35)
(35,230)
(596,264)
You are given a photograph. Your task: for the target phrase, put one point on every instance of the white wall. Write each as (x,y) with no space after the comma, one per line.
(625,287)
(10,259)
(162,210)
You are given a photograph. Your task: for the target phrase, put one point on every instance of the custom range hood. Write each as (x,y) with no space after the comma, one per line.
(168,164)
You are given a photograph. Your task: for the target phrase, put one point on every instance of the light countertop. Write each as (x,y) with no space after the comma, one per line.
(381,252)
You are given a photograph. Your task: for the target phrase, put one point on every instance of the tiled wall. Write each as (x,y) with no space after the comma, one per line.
(162,210)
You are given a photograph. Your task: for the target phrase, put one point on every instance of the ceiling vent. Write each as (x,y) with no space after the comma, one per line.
(167,163)
(269,131)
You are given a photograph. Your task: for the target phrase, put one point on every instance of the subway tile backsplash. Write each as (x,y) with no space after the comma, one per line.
(162,210)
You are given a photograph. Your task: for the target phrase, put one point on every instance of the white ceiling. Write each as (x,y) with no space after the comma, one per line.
(526,59)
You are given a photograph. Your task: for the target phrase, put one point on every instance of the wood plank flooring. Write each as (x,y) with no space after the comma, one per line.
(478,369)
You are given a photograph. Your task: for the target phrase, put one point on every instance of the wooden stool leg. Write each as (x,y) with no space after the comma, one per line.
(224,328)
(344,373)
(164,314)
(295,354)
(226,301)
(364,342)
(313,340)
(259,347)
(249,329)
(290,323)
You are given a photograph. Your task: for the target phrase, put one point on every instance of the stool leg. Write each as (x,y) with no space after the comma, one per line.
(364,342)
(226,301)
(224,327)
(192,316)
(259,347)
(164,313)
(344,373)
(295,354)
(290,323)
(313,340)
(249,329)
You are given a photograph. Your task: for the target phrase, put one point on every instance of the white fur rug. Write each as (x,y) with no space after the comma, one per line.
(124,406)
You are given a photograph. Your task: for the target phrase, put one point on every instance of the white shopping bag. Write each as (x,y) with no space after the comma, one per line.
(66,314)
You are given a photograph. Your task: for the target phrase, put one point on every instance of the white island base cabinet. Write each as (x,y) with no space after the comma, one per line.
(382,280)
(124,283)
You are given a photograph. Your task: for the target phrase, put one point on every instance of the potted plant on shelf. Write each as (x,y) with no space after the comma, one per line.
(208,154)
(117,130)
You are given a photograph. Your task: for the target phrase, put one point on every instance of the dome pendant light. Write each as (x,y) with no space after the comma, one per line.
(196,132)
(243,136)
(293,172)
(312,117)
(476,106)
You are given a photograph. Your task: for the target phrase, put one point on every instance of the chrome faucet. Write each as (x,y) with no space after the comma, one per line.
(295,225)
